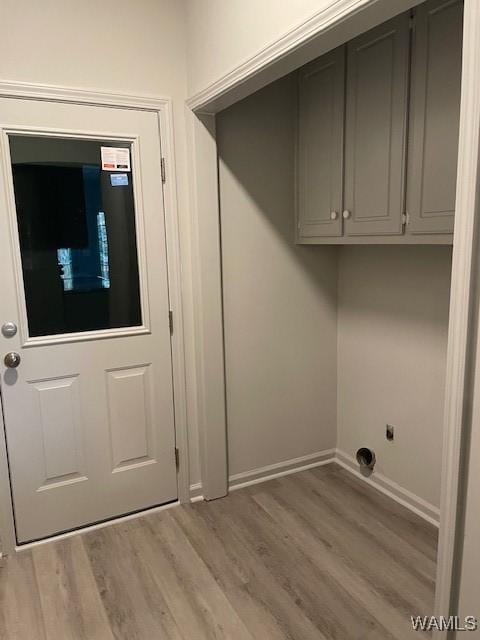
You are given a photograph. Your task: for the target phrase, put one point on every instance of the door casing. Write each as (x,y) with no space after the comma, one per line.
(162,107)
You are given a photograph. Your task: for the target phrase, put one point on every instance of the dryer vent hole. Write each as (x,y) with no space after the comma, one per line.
(366,458)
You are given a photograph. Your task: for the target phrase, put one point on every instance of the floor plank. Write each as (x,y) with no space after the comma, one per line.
(317,555)
(20,611)
(69,598)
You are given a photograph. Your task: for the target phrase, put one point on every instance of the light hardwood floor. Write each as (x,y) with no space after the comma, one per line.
(314,555)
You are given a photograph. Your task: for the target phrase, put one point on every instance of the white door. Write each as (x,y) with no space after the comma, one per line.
(83,280)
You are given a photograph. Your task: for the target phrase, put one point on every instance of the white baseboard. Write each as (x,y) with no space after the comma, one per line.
(279,469)
(270,472)
(196,492)
(418,505)
(406,498)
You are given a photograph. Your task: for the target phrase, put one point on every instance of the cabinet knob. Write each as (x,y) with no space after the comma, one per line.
(346,214)
(333,215)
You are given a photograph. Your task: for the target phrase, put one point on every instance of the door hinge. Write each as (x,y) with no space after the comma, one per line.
(177,458)
(170,321)
(162,169)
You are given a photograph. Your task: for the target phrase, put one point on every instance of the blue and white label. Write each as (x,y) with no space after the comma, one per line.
(119,179)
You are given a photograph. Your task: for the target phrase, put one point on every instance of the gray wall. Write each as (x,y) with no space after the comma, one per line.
(279,299)
(392,342)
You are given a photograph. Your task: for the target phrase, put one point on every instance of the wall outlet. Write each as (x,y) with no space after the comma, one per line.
(389,432)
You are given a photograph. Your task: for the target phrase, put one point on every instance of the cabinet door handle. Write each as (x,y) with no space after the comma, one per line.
(333,215)
(346,214)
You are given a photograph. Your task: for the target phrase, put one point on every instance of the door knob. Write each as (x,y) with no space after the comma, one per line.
(333,215)
(12,359)
(346,214)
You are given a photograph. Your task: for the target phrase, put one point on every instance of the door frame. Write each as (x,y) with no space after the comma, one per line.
(325,30)
(162,107)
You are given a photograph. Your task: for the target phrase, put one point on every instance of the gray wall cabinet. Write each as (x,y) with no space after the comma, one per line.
(378,133)
(375,128)
(434,116)
(321,87)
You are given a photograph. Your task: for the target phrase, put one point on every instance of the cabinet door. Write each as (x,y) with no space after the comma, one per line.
(434,118)
(320,146)
(375,129)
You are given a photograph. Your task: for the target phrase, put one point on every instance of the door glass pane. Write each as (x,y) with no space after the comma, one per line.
(76,225)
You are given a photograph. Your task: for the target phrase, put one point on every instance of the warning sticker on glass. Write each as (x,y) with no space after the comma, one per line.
(115,159)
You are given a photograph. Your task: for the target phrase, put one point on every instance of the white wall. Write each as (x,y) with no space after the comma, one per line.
(392,341)
(222,34)
(279,299)
(136,47)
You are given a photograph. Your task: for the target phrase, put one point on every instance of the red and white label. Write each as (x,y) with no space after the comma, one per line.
(115,159)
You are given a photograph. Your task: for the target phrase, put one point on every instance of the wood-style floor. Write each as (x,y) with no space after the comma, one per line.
(313,555)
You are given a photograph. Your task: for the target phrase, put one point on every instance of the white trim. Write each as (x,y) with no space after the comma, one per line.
(196,492)
(461,302)
(392,489)
(312,27)
(270,472)
(174,264)
(65,338)
(300,44)
(208,310)
(95,527)
(279,469)
(55,93)
(163,107)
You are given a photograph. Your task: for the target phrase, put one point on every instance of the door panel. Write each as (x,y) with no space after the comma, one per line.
(61,430)
(129,402)
(435,115)
(375,129)
(89,411)
(320,146)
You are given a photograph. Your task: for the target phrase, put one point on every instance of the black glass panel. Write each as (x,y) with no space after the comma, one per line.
(76,226)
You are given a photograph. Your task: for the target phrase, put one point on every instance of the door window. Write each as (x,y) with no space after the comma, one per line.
(77,235)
